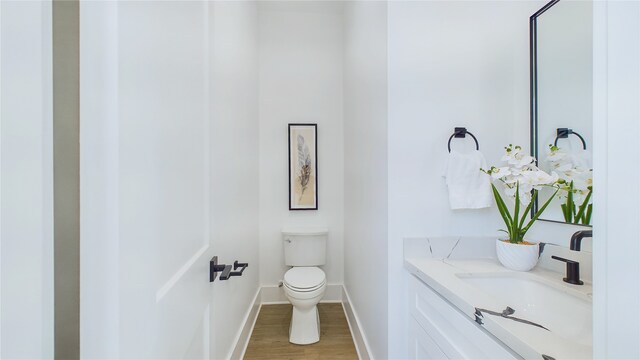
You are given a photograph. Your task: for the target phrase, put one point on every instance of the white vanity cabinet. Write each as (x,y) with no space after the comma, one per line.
(438,330)
(422,346)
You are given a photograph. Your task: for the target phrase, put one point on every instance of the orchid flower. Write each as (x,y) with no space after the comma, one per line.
(521,180)
(577,181)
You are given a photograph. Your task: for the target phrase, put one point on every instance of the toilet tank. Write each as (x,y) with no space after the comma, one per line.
(305,246)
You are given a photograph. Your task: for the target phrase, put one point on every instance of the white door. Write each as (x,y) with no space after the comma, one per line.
(26,184)
(144,179)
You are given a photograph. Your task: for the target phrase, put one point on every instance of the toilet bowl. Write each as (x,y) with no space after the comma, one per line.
(304,286)
(304,283)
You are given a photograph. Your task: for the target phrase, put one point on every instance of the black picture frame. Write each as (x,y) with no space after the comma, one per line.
(303,166)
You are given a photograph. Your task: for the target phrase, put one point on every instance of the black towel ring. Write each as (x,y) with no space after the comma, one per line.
(461,132)
(563,133)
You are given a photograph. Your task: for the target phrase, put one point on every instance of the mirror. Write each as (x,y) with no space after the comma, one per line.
(561,106)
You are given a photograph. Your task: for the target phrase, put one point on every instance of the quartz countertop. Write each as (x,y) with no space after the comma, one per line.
(446,276)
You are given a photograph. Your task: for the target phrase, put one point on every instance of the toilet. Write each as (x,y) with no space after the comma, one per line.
(305,283)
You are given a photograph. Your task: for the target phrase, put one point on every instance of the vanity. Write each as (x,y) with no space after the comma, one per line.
(464,305)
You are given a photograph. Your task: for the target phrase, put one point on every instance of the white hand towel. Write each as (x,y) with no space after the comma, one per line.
(469,188)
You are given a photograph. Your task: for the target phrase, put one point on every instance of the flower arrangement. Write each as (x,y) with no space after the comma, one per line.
(576,185)
(521,180)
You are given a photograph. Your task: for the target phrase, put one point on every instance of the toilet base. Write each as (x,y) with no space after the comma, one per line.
(305,326)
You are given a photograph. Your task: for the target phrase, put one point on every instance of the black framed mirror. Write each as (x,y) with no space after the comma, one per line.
(561,115)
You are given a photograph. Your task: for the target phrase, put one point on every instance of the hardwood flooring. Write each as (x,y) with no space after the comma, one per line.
(270,337)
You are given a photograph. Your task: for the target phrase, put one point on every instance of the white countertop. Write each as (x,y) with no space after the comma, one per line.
(528,341)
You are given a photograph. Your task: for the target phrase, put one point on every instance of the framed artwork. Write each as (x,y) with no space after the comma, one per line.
(303,167)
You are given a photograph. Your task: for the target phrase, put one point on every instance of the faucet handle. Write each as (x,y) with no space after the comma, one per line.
(573,271)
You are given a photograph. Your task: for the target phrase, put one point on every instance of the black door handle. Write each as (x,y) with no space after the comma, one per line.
(215,268)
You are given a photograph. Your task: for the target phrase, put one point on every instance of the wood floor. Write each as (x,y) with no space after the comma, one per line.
(270,337)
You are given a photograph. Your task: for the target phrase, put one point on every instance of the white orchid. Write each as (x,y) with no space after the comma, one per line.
(516,158)
(521,180)
(539,178)
(500,173)
(563,167)
(554,155)
(521,172)
(577,179)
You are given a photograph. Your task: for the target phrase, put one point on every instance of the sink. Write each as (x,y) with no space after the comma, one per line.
(564,311)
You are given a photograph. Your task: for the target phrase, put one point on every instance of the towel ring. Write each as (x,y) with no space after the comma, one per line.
(563,133)
(461,132)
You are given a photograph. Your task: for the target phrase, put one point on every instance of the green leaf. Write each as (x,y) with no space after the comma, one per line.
(516,214)
(583,207)
(502,208)
(528,209)
(570,205)
(565,213)
(587,217)
(537,215)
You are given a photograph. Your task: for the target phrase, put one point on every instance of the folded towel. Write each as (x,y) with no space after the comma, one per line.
(469,188)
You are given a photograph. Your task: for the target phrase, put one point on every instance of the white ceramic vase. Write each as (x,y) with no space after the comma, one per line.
(519,257)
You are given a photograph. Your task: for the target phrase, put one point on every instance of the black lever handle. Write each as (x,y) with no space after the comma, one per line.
(236,265)
(226,273)
(573,271)
(215,268)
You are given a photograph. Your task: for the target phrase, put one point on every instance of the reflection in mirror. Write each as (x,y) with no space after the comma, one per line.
(561,106)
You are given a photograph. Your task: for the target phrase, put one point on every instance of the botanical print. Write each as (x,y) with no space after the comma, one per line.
(302,167)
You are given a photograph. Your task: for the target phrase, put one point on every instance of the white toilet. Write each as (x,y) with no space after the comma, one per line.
(304,284)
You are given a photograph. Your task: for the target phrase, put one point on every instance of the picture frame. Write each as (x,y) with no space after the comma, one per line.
(303,166)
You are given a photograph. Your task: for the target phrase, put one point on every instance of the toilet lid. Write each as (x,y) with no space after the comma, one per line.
(304,277)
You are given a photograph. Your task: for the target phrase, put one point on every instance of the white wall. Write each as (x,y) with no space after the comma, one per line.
(234,165)
(26,189)
(300,81)
(450,64)
(365,168)
(616,180)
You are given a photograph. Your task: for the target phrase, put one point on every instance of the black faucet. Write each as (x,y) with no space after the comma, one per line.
(573,271)
(576,239)
(573,267)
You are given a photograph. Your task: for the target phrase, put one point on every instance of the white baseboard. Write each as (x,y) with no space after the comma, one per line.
(242,339)
(359,339)
(275,295)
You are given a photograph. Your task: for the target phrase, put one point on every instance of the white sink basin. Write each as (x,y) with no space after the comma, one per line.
(564,311)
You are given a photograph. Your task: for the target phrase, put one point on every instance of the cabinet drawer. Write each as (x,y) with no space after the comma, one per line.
(421,345)
(457,335)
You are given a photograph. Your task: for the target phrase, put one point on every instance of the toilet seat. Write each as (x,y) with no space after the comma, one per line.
(305,290)
(304,279)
